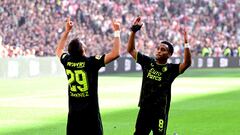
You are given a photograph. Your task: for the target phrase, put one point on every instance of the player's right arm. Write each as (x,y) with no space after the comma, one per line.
(131,44)
(62,41)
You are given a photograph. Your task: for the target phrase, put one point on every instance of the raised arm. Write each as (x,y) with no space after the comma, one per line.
(187,55)
(62,41)
(131,43)
(115,52)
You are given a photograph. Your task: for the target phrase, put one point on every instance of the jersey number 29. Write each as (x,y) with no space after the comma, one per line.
(78,76)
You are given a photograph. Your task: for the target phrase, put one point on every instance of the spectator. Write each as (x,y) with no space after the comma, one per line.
(239,50)
(227,52)
(217,51)
(205,51)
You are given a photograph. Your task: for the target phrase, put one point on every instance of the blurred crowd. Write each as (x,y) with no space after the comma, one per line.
(32,28)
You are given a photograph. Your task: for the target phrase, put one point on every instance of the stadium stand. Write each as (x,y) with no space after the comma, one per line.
(31,28)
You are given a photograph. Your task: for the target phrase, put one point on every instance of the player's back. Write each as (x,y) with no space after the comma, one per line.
(82,73)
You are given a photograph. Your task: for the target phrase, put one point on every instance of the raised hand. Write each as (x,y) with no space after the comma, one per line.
(185,36)
(187,54)
(64,36)
(115,25)
(69,25)
(136,25)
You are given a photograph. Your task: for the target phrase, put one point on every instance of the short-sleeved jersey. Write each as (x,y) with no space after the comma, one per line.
(82,74)
(156,82)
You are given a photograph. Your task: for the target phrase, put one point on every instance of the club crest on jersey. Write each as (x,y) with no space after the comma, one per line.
(164,69)
(152,65)
(98,57)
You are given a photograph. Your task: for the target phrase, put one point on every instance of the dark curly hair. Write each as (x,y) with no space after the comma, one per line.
(170,46)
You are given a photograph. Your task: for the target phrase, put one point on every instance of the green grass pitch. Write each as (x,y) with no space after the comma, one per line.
(204,102)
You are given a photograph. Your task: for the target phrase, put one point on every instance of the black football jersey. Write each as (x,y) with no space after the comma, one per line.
(82,74)
(156,82)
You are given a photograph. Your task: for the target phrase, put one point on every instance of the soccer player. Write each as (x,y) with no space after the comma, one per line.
(82,73)
(158,76)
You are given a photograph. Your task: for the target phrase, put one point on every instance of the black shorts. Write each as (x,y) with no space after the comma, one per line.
(84,123)
(151,120)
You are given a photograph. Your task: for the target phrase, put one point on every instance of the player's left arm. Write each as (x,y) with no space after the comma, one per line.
(115,52)
(62,41)
(187,55)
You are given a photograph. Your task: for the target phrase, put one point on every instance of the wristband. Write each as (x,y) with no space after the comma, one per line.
(117,33)
(186,45)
